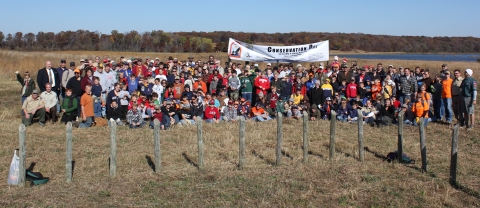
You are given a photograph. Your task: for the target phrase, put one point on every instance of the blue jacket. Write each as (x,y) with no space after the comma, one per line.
(353,113)
(310,84)
(132,84)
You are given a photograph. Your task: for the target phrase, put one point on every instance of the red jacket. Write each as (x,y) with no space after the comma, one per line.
(140,69)
(262,82)
(351,90)
(211,113)
(210,78)
(85,81)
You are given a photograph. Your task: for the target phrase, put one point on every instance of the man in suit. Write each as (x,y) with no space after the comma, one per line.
(48,75)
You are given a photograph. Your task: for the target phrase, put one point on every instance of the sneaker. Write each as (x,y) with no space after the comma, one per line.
(469,128)
(363,123)
(41,124)
(462,126)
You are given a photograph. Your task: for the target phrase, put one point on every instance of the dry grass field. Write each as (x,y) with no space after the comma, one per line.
(342,182)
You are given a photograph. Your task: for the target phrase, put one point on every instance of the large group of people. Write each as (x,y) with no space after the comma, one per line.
(135,92)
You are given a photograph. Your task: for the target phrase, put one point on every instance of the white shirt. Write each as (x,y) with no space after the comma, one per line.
(49,99)
(51,76)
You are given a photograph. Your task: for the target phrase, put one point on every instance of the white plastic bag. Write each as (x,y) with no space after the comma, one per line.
(14,169)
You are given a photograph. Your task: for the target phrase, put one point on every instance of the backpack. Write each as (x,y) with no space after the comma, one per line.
(392,156)
(36,178)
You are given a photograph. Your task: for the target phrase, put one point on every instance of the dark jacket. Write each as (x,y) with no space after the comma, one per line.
(30,85)
(42,79)
(75,85)
(286,90)
(114,113)
(315,95)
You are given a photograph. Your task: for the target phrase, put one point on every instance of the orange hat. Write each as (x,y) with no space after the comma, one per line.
(242,100)
(76,71)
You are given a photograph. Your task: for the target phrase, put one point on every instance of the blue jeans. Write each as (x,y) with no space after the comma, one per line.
(402,98)
(247,96)
(97,109)
(342,118)
(438,109)
(261,119)
(87,123)
(103,108)
(209,120)
(135,127)
(425,122)
(447,105)
(166,120)
(408,122)
(24,98)
(184,122)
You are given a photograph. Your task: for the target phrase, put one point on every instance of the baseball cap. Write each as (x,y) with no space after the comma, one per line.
(269,64)
(444,65)
(105,60)
(35,92)
(177,77)
(72,63)
(82,60)
(63,61)
(211,102)
(76,71)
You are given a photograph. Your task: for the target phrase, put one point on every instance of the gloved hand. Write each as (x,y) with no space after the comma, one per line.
(417,119)
(17,72)
(188,121)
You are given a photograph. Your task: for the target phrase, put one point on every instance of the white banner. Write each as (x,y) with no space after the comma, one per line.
(313,52)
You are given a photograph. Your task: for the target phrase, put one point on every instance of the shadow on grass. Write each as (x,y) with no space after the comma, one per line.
(254,153)
(376,154)
(225,157)
(337,150)
(315,154)
(465,189)
(189,160)
(150,162)
(286,154)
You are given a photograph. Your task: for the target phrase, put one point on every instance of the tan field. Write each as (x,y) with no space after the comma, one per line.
(343,181)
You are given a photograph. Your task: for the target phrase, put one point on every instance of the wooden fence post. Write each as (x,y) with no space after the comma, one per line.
(454,156)
(279,139)
(157,151)
(241,144)
(68,165)
(400,137)
(22,173)
(423,145)
(333,121)
(200,144)
(361,153)
(113,148)
(305,137)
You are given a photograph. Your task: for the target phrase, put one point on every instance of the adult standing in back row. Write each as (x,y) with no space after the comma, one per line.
(469,99)
(407,86)
(48,75)
(447,97)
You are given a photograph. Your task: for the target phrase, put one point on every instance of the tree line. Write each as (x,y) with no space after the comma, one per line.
(161,41)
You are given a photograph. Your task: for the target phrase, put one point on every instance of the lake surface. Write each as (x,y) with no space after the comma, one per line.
(424,57)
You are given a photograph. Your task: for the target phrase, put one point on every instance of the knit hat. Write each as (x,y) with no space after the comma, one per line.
(469,72)
(335,58)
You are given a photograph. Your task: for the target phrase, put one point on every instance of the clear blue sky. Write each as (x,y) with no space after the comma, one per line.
(424,17)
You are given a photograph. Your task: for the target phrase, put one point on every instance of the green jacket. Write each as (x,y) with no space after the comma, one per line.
(280,106)
(277,84)
(30,85)
(246,83)
(468,86)
(65,105)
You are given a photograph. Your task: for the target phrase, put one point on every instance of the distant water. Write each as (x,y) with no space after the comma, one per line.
(425,57)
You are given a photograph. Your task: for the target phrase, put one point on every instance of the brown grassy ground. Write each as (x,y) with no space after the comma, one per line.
(320,183)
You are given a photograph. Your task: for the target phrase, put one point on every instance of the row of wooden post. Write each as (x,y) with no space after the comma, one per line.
(241,162)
